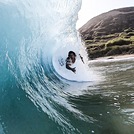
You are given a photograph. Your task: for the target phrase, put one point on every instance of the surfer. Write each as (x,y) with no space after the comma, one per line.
(71,60)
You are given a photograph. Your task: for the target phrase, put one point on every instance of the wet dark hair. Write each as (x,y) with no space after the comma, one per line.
(71,52)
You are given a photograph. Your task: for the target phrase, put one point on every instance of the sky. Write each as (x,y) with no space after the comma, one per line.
(92,8)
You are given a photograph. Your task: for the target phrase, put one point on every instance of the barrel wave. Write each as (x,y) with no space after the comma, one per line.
(38,95)
(32,94)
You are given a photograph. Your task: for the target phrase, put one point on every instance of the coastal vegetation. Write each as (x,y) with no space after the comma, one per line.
(109,45)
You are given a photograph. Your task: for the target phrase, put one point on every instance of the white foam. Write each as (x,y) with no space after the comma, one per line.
(82,69)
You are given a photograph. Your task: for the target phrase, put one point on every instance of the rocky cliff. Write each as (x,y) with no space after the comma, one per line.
(111,33)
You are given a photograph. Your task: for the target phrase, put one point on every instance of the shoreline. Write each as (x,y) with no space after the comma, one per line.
(115,57)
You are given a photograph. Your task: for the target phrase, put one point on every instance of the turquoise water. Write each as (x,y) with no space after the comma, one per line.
(33,99)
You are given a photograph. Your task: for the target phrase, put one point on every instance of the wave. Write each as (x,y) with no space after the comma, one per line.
(31,34)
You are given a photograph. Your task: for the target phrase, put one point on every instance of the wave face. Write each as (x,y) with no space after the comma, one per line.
(32,94)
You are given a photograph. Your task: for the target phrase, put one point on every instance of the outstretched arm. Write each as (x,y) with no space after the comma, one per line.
(69,68)
(81,58)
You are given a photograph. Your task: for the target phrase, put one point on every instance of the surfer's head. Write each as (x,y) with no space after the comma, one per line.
(71,54)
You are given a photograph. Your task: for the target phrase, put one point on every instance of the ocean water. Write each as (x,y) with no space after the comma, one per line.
(35,98)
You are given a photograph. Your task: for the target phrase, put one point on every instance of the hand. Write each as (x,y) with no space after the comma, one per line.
(74,70)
